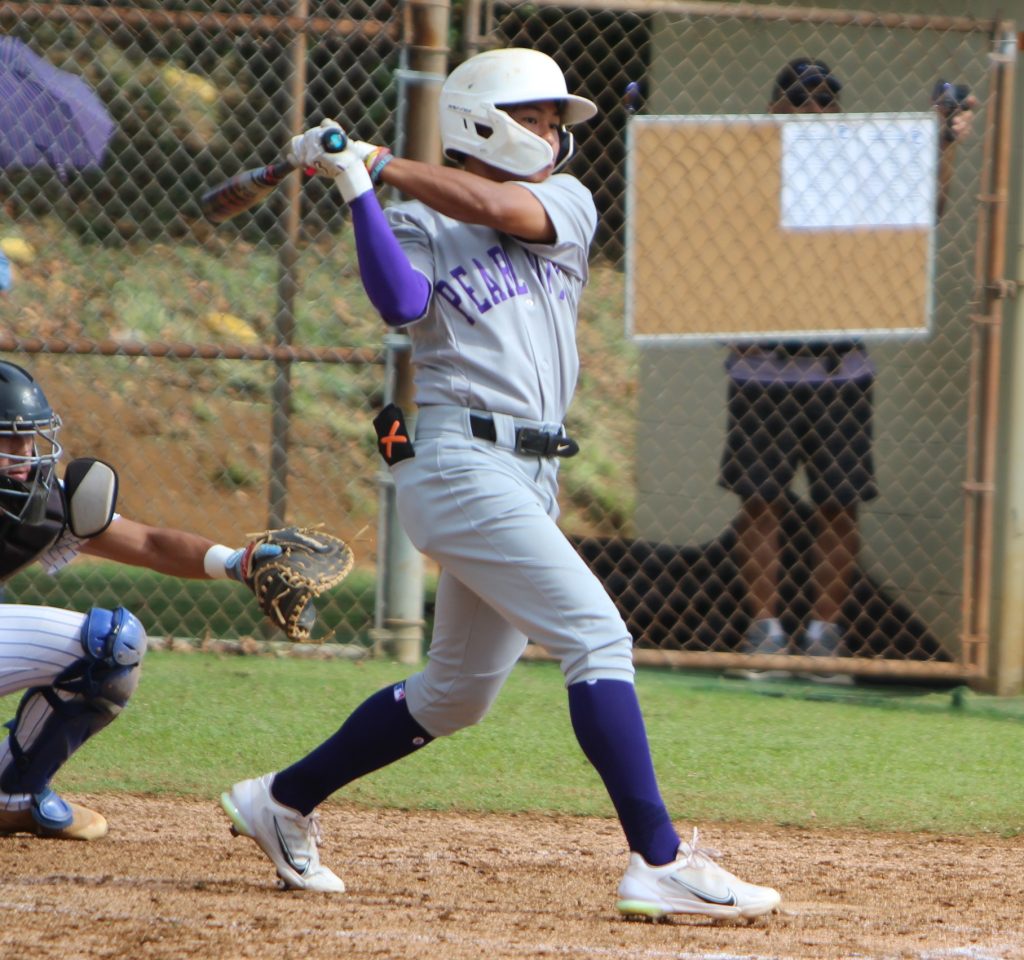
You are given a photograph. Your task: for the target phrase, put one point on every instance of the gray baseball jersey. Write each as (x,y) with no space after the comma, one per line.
(499,333)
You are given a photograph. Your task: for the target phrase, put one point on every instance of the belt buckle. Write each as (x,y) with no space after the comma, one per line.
(531,440)
(539,443)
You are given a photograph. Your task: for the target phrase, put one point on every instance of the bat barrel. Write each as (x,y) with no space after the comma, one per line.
(242,191)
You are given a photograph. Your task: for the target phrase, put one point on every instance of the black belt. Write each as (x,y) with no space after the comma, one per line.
(528,440)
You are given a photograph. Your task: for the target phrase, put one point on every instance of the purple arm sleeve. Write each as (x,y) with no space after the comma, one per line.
(399,292)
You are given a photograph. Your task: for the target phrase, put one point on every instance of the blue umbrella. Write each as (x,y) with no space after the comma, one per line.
(47,115)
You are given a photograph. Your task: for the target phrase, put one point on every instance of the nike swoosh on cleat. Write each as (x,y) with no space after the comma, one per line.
(299,866)
(727,901)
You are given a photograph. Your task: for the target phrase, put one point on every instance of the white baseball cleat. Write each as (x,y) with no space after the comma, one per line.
(692,883)
(284,835)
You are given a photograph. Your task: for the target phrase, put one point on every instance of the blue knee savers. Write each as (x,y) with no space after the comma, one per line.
(101,683)
(114,636)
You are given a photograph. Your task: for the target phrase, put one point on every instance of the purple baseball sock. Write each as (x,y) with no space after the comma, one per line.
(378,732)
(610,728)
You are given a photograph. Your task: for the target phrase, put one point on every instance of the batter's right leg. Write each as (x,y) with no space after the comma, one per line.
(456,689)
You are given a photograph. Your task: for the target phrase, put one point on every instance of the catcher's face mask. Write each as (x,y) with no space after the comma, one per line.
(29,450)
(28,460)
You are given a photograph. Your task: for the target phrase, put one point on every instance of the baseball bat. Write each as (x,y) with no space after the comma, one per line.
(245,190)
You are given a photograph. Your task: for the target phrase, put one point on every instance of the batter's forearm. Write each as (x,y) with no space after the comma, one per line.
(455,193)
(399,292)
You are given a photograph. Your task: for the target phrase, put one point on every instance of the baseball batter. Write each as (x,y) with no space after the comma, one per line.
(77,670)
(484,268)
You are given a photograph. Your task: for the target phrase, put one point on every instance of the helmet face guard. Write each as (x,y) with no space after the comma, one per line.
(474,123)
(26,478)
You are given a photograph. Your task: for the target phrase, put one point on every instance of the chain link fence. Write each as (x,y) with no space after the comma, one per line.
(877,536)
(231,371)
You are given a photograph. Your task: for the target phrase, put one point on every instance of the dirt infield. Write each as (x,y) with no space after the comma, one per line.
(170,882)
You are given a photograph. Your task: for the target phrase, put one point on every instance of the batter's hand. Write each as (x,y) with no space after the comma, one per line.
(362,149)
(307,149)
(374,158)
(345,168)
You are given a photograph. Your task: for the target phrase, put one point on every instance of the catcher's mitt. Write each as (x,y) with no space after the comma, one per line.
(285,584)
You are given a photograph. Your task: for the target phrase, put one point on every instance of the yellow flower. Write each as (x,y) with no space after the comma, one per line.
(18,250)
(190,83)
(230,327)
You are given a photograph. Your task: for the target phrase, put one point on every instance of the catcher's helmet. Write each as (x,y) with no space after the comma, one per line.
(473,123)
(25,411)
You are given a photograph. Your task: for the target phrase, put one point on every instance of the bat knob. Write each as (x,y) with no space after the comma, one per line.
(334,141)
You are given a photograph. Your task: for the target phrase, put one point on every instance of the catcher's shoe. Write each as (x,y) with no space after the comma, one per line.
(284,835)
(54,817)
(692,883)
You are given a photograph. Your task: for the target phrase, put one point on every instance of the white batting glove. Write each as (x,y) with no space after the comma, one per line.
(306,149)
(346,168)
(349,172)
(362,149)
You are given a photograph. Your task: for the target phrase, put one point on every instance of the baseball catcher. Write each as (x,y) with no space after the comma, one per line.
(78,670)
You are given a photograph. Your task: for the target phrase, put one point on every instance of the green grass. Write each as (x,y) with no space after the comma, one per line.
(724,752)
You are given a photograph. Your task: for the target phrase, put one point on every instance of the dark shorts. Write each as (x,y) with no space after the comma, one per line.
(774,428)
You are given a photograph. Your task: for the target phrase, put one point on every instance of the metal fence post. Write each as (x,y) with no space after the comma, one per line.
(287,285)
(398,622)
(398,617)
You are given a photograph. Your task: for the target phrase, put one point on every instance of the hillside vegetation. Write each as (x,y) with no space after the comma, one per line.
(192,437)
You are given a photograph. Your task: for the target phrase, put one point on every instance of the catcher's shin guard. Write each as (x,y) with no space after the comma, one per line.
(53,722)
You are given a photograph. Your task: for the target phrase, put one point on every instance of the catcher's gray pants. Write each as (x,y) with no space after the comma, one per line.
(487,515)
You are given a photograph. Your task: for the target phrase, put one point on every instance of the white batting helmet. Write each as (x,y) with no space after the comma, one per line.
(473,123)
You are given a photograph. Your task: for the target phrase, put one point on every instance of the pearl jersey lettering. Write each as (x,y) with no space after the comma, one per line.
(496,283)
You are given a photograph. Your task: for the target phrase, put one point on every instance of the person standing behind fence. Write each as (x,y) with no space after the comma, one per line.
(808,403)
(485,268)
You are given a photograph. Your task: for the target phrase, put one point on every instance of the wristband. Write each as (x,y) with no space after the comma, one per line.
(215,561)
(373,156)
(377,161)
